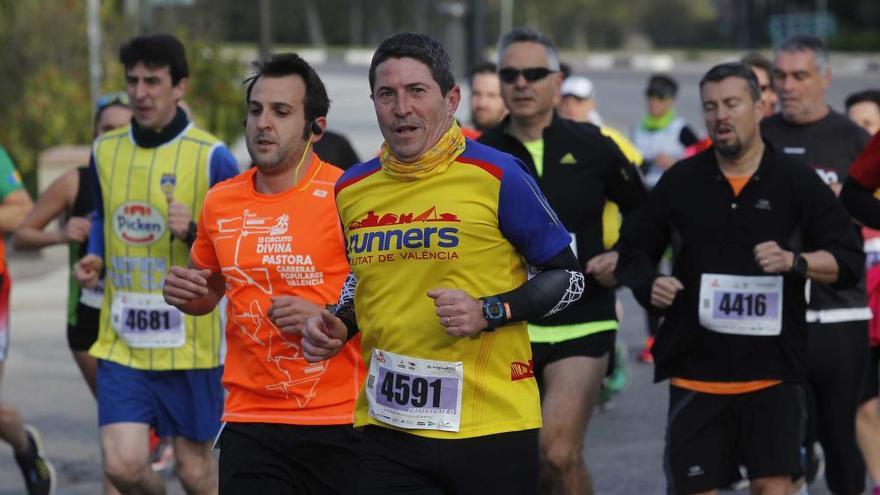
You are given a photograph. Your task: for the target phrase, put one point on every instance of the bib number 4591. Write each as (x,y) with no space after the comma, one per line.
(408,390)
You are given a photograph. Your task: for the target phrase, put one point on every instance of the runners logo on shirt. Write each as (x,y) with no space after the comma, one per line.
(424,236)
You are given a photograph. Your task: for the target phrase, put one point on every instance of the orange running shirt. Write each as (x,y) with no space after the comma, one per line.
(737,183)
(270,245)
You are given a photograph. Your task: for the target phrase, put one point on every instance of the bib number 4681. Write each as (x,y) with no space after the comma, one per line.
(142,319)
(408,390)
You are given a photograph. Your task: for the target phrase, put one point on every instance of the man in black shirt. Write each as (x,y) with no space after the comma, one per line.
(809,130)
(336,149)
(753,226)
(577,169)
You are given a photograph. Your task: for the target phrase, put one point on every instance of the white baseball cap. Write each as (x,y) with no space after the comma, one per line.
(578,86)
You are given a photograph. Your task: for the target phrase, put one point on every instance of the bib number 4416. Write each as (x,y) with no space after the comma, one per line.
(739,304)
(408,390)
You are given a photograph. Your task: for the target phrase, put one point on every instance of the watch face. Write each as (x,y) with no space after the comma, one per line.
(495,309)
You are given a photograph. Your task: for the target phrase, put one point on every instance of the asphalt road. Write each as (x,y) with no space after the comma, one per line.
(623,446)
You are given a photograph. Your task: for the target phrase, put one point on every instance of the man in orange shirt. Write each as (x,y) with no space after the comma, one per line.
(270,240)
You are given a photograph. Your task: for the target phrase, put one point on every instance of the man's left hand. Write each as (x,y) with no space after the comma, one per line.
(289,313)
(772,258)
(179,218)
(459,313)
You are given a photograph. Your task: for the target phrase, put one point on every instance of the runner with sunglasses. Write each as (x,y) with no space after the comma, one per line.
(577,169)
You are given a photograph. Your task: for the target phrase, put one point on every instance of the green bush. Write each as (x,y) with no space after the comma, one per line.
(44,95)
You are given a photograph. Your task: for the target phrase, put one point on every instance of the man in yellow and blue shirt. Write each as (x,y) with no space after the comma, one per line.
(156,365)
(441,232)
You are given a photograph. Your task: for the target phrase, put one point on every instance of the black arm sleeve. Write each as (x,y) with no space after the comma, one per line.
(861,203)
(558,283)
(345,307)
(687,137)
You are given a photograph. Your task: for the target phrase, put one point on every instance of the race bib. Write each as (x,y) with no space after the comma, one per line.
(414,393)
(741,305)
(146,321)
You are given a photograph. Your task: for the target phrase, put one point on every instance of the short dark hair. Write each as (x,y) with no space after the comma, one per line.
(529,35)
(315,104)
(755,59)
(801,43)
(661,85)
(733,69)
(869,95)
(156,51)
(483,68)
(420,47)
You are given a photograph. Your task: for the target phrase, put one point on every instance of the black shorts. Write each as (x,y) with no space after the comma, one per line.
(594,345)
(709,436)
(872,376)
(81,336)
(278,459)
(396,462)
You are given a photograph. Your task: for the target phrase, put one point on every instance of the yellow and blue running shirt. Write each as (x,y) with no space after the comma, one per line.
(130,232)
(476,227)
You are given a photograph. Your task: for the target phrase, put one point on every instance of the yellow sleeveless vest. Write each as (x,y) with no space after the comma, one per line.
(134,185)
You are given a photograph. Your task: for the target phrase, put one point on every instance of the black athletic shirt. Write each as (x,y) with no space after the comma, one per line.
(783,202)
(828,146)
(335,149)
(582,169)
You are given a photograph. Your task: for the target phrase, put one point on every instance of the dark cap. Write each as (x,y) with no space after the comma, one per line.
(661,86)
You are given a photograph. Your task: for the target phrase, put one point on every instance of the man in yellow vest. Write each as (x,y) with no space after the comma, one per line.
(156,366)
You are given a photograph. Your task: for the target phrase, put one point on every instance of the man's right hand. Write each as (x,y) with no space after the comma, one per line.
(664,290)
(323,337)
(88,270)
(183,285)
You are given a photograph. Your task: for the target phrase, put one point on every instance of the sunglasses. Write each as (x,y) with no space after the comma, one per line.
(533,74)
(110,99)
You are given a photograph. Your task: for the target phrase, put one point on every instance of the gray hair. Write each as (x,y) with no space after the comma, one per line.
(529,35)
(804,43)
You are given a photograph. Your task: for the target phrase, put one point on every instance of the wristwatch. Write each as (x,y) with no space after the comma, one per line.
(494,312)
(799,265)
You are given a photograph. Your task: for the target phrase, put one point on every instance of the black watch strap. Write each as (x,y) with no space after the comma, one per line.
(495,312)
(799,265)
(191,233)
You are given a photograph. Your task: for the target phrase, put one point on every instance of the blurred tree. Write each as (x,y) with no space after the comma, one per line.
(216,92)
(44,96)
